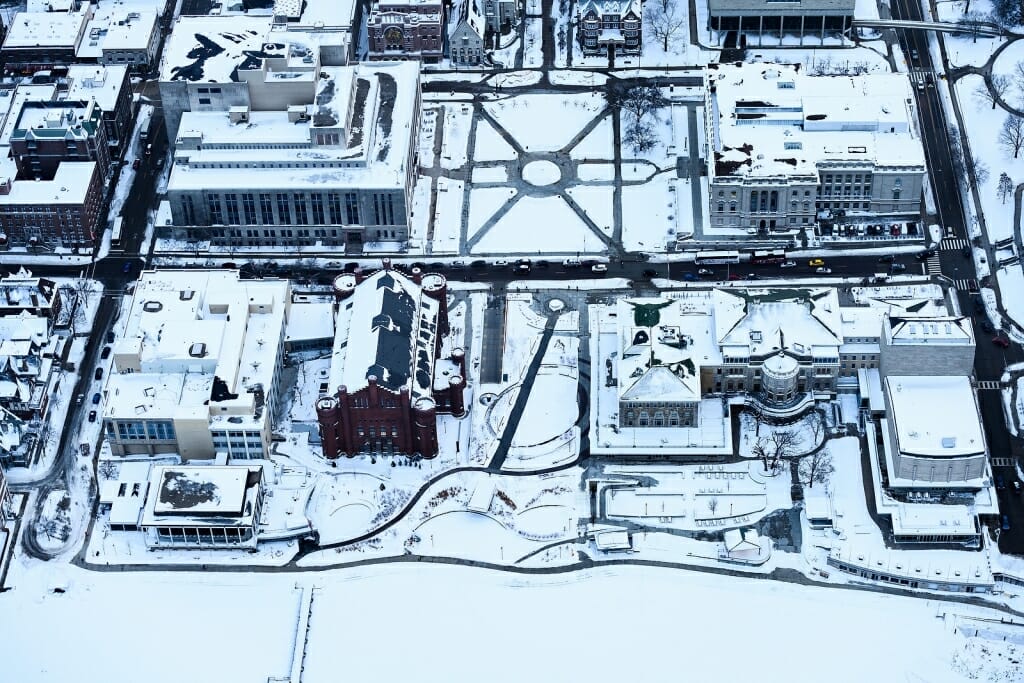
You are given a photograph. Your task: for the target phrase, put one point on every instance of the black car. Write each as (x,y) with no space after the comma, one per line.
(1000,483)
(966,252)
(478,264)
(648,274)
(98,375)
(925,255)
(92,416)
(987,326)
(888,258)
(542,264)
(110,337)
(105,353)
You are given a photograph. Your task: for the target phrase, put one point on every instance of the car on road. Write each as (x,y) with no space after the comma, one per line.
(522,266)
(136,164)
(898,267)
(1016,487)
(888,258)
(705,272)
(572,263)
(1000,483)
(925,255)
(418,264)
(478,264)
(753,276)
(92,416)
(1005,523)
(733,277)
(542,264)
(690,277)
(79,398)
(502,263)
(458,264)
(913,55)
(823,271)
(599,268)
(98,375)
(1001,341)
(127,267)
(648,274)
(966,252)
(972,285)
(96,398)
(105,354)
(787,264)
(988,327)
(814,262)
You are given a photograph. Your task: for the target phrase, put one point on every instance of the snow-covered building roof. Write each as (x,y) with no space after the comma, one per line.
(386,329)
(70,186)
(742,540)
(935,416)
(115,28)
(21,291)
(47,29)
(471,16)
(211,49)
(602,7)
(758,323)
(96,82)
(357,133)
(929,331)
(200,496)
(657,350)
(319,14)
(198,344)
(933,519)
(770,120)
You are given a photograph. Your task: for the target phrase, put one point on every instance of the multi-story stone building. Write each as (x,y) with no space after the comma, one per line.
(816,18)
(922,346)
(466,41)
(783,146)
(42,40)
(197,369)
(389,377)
(610,27)
(339,171)
(407,29)
(500,15)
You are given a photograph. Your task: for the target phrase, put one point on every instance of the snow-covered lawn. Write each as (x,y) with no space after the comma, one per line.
(596,201)
(448,216)
(648,214)
(488,145)
(483,203)
(457,122)
(536,224)
(520,116)
(597,144)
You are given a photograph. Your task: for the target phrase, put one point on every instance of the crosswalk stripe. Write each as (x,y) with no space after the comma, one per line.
(988,384)
(933,266)
(1002,462)
(953,244)
(965,285)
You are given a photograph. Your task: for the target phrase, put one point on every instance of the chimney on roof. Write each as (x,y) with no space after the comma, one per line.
(373,391)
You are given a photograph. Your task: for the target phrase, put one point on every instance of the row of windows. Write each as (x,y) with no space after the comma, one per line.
(291,208)
(154,430)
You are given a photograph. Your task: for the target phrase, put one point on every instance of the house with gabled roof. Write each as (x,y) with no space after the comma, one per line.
(611,26)
(466,40)
(388,379)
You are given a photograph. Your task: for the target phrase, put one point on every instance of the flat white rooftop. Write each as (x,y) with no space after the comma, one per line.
(70,186)
(935,416)
(199,490)
(775,119)
(211,48)
(45,29)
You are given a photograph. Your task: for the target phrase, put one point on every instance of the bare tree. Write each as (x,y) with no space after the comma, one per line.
(1005,187)
(638,100)
(641,136)
(666,20)
(778,445)
(713,504)
(980,170)
(971,22)
(816,468)
(993,89)
(1011,136)
(816,426)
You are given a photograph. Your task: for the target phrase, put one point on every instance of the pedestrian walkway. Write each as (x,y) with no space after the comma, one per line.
(953,244)
(988,384)
(922,76)
(966,284)
(933,266)
(1002,462)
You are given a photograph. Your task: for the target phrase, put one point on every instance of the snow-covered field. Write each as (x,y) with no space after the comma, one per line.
(475,625)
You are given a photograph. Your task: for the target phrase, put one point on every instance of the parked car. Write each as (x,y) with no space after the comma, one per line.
(1001,341)
(1000,483)
(815,262)
(599,268)
(92,416)
(925,255)
(690,277)
(648,274)
(1005,525)
(572,263)
(966,252)
(823,271)
(705,272)
(753,276)
(502,263)
(478,264)
(787,264)
(523,266)
(127,267)
(110,337)
(888,258)
(733,277)
(988,327)
(96,398)
(105,353)
(1016,487)
(136,164)
(898,267)
(98,375)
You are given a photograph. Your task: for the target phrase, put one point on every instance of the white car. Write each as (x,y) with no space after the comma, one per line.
(787,264)
(502,263)
(823,270)
(572,263)
(599,268)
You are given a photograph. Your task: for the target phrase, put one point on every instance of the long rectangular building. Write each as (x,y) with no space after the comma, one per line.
(785,147)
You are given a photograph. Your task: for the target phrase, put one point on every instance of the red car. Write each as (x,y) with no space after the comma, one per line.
(136,164)
(1001,341)
(734,277)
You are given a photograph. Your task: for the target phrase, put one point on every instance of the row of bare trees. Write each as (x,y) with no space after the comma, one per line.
(783,445)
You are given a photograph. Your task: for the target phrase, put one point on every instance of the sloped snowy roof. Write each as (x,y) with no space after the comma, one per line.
(385,329)
(617,7)
(763,322)
(930,331)
(658,358)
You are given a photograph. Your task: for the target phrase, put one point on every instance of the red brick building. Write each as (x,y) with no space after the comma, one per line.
(393,369)
(64,211)
(407,29)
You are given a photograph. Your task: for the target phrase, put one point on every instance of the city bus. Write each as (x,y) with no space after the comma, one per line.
(710,258)
(768,256)
(115,233)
